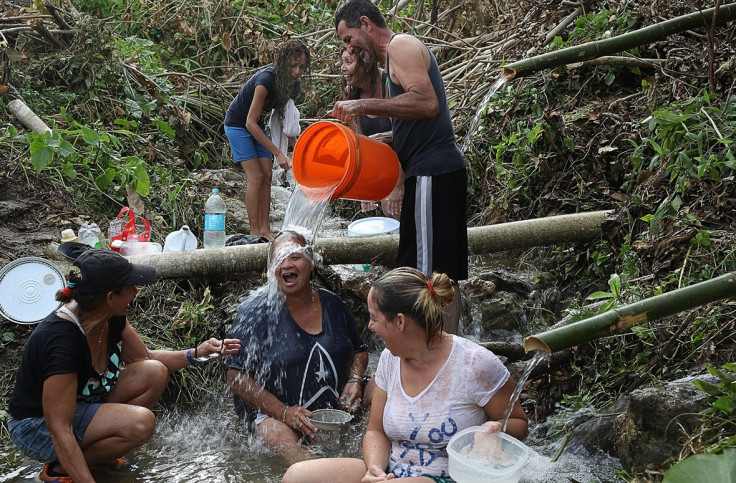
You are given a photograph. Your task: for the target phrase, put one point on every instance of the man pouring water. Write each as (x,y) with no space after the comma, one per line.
(433,232)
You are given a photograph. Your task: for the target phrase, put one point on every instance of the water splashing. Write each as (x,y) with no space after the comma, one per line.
(476,118)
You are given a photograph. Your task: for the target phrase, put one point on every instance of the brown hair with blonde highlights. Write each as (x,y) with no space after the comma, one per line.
(410,292)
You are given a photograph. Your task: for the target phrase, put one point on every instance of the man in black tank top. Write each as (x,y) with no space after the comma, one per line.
(433,230)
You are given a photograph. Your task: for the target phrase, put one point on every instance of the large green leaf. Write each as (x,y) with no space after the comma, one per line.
(704,468)
(41,153)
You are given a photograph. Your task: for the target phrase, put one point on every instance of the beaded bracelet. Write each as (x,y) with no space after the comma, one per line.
(192,362)
(283,417)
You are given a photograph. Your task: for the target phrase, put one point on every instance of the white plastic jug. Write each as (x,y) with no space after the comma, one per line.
(181,240)
(89,234)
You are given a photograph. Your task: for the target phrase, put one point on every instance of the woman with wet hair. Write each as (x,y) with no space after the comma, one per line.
(430,385)
(245,126)
(301,351)
(87,383)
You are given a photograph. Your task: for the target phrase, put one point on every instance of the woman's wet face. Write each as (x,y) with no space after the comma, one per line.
(297,67)
(293,265)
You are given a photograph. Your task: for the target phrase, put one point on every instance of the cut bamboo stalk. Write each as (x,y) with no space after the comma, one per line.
(619,320)
(27,117)
(591,50)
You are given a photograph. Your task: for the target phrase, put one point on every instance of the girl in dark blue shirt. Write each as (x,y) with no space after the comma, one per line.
(269,88)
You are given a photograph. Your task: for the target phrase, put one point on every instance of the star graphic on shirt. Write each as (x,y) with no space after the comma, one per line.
(322,373)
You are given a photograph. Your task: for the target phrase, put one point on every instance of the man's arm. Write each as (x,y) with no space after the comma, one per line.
(409,65)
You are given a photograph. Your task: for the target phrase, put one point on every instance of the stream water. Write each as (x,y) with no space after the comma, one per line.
(209,444)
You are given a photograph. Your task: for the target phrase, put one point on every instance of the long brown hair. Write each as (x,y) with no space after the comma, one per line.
(371,71)
(287,52)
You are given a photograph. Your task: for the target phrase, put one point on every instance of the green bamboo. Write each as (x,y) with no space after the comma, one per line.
(598,48)
(621,319)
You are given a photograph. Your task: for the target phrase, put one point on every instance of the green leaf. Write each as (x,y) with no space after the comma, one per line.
(725,404)
(610,77)
(103,181)
(615,283)
(143,182)
(600,295)
(41,154)
(704,468)
(69,171)
(707,387)
(90,136)
(164,127)
(66,148)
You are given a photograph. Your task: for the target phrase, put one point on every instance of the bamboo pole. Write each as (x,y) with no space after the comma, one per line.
(29,118)
(621,319)
(591,50)
(379,249)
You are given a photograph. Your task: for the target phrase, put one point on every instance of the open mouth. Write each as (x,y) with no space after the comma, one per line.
(289,278)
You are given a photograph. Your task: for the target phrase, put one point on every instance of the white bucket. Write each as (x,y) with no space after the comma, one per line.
(28,288)
(379,225)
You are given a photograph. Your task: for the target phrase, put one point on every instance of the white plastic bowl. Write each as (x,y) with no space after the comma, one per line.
(378,225)
(478,457)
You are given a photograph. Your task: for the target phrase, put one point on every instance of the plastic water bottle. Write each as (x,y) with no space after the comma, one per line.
(89,234)
(214,221)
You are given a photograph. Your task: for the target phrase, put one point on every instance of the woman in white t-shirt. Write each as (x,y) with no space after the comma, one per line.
(429,386)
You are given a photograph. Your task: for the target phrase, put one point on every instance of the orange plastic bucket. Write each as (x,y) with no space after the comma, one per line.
(330,154)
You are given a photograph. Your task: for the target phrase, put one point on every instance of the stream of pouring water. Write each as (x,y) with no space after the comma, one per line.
(479,113)
(305,210)
(533,362)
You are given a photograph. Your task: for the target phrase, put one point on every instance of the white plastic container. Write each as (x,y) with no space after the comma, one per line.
(478,457)
(139,248)
(89,234)
(180,240)
(378,225)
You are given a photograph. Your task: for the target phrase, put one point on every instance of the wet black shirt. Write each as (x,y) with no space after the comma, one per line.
(299,368)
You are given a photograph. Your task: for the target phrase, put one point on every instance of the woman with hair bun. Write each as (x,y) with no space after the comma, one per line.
(430,385)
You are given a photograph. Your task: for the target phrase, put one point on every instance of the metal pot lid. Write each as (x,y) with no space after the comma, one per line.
(28,288)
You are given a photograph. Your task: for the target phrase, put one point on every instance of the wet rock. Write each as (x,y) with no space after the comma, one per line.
(499,299)
(649,434)
(502,311)
(598,432)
